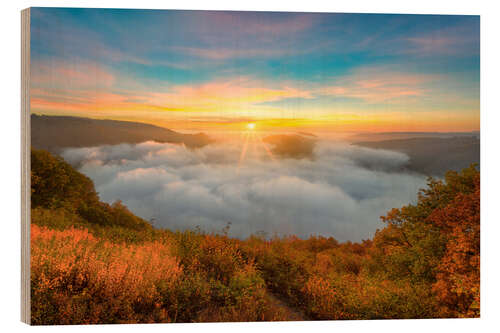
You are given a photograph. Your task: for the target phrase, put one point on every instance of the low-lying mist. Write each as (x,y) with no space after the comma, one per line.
(341,192)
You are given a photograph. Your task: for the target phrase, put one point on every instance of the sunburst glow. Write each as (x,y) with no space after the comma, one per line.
(251,126)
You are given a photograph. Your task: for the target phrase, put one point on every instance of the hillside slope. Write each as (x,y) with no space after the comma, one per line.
(292,145)
(384,136)
(56,186)
(433,156)
(53,133)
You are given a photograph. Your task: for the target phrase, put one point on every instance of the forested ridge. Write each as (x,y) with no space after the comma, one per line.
(55,133)
(92,262)
(432,155)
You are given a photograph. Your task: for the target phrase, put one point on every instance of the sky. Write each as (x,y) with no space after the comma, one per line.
(215,70)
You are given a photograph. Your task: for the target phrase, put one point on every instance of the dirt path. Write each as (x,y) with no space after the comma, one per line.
(292,314)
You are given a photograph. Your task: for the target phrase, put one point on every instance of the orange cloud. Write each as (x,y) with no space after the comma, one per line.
(217,96)
(379,85)
(86,101)
(223,94)
(456,40)
(70,75)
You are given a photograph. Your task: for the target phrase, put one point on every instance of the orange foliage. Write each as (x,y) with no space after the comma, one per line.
(99,279)
(458,275)
(78,278)
(323,299)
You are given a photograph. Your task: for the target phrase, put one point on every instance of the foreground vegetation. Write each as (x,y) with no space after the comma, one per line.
(97,263)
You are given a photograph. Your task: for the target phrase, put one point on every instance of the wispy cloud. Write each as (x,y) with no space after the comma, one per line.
(254,23)
(226,93)
(225,53)
(221,95)
(79,74)
(460,40)
(380,84)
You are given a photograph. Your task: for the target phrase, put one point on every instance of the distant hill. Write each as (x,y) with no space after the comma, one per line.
(433,156)
(307,134)
(54,133)
(292,145)
(383,136)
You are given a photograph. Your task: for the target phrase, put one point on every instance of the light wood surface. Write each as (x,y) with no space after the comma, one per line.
(25,166)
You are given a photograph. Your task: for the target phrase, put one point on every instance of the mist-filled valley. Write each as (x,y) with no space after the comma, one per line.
(258,182)
(340,191)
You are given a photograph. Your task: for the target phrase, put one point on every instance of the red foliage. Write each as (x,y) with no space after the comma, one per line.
(458,276)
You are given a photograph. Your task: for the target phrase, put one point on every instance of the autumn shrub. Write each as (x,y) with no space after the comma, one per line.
(370,298)
(59,219)
(323,300)
(244,299)
(79,279)
(220,258)
(228,285)
(62,219)
(284,268)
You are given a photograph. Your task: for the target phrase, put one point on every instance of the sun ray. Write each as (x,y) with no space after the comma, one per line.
(268,151)
(253,138)
(243,151)
(254,143)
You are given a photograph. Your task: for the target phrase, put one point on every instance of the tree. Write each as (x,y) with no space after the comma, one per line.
(458,275)
(56,184)
(436,242)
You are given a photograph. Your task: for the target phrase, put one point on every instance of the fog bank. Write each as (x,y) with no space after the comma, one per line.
(340,193)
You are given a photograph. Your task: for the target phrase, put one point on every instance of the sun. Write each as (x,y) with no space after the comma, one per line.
(252,138)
